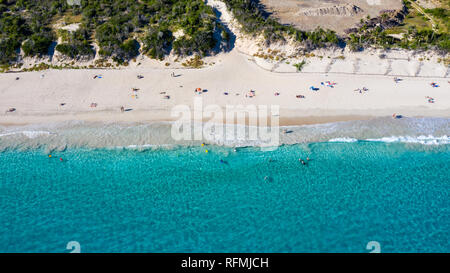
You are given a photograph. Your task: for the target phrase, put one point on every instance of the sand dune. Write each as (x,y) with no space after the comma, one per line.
(337,15)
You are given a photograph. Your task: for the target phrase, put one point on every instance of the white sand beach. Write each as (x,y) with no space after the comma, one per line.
(37,96)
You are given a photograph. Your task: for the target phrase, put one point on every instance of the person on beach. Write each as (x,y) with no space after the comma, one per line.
(122,109)
(250,94)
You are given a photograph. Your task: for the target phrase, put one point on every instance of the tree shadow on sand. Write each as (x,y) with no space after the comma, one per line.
(227,43)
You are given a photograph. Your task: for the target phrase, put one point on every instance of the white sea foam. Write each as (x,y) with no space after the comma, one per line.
(343,139)
(145,146)
(28,134)
(142,136)
(425,140)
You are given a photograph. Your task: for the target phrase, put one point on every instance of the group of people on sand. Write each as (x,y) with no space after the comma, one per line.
(361,90)
(165,96)
(395,116)
(134,93)
(277,94)
(397,80)
(329,84)
(198,91)
(250,94)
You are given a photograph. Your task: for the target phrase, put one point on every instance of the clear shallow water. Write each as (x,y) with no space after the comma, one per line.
(185,200)
(61,136)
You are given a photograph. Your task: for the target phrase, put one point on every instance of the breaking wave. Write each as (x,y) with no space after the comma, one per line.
(77,134)
(425,140)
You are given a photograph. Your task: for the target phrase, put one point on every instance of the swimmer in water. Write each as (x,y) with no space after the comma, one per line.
(268,179)
(302,161)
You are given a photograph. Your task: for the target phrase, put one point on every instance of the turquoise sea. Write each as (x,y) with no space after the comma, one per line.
(182,199)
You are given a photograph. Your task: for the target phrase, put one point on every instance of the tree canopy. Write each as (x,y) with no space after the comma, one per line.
(117,26)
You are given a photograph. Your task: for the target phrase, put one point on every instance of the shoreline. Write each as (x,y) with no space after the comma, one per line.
(108,117)
(37,97)
(60,136)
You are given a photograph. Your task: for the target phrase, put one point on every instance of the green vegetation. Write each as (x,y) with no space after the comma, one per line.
(416,29)
(76,44)
(415,32)
(118,26)
(195,62)
(123,29)
(442,18)
(157,42)
(300,66)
